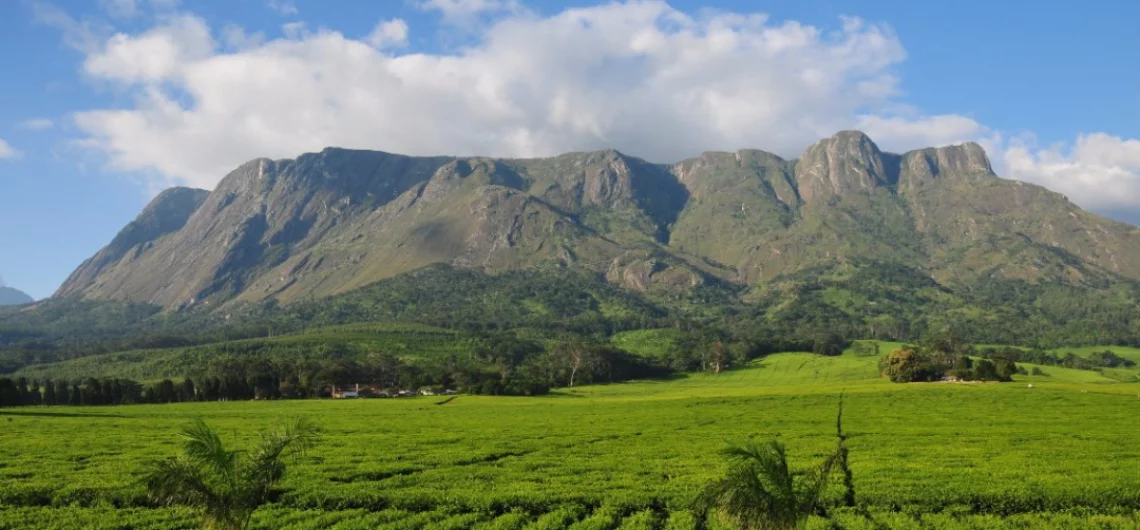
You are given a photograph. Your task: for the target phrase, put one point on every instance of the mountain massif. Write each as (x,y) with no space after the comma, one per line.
(334,221)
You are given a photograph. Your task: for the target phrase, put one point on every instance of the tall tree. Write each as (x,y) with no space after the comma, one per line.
(166,392)
(9,396)
(50,397)
(186,390)
(22,397)
(35,395)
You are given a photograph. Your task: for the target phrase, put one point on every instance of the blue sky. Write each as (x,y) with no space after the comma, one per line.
(105,102)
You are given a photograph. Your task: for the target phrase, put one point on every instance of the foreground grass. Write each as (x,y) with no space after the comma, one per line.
(1064,454)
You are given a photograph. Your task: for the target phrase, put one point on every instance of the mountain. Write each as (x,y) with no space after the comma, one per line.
(332,222)
(10,296)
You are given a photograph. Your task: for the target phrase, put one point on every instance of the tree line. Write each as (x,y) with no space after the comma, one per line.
(499,364)
(1094,361)
(494,364)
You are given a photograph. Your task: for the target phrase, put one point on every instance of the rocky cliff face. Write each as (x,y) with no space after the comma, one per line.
(846,162)
(337,220)
(167,213)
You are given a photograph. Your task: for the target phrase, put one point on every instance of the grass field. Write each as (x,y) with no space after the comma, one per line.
(1063,454)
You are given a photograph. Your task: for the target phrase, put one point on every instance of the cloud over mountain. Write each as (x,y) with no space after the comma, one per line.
(640,76)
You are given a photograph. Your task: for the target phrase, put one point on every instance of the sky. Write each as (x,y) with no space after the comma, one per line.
(104,103)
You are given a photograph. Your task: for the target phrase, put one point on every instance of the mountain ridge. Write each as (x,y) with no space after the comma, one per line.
(13,296)
(329,222)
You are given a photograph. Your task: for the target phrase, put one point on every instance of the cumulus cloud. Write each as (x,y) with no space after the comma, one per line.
(131,8)
(465,10)
(7,151)
(389,33)
(639,76)
(154,56)
(85,35)
(1098,171)
(37,124)
(906,132)
(283,7)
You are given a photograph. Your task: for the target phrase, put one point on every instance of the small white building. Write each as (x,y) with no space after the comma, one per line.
(344,394)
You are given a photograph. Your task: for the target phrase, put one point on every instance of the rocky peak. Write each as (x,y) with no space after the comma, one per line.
(967,160)
(606,179)
(166,213)
(848,161)
(470,172)
(963,158)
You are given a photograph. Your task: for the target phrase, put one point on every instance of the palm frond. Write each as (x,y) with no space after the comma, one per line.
(176,481)
(227,486)
(265,465)
(758,489)
(203,446)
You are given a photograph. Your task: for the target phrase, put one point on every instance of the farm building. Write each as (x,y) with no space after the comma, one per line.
(338,393)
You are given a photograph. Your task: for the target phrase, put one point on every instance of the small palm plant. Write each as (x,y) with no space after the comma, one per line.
(760,491)
(227,485)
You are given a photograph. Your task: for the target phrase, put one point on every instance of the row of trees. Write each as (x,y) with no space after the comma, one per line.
(500,364)
(91,391)
(1093,361)
(495,364)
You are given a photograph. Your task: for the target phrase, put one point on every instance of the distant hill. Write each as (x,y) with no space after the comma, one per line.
(10,296)
(331,222)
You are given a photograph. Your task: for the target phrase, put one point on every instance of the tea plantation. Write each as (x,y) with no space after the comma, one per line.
(1064,453)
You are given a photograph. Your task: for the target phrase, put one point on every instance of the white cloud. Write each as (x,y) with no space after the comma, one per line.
(120,8)
(903,133)
(85,35)
(639,76)
(389,33)
(1098,171)
(131,8)
(236,38)
(37,124)
(465,10)
(154,56)
(294,30)
(7,151)
(283,7)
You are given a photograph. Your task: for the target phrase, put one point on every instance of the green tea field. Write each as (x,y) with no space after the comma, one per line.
(1064,453)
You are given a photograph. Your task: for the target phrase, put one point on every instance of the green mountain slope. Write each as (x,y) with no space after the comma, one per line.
(333,222)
